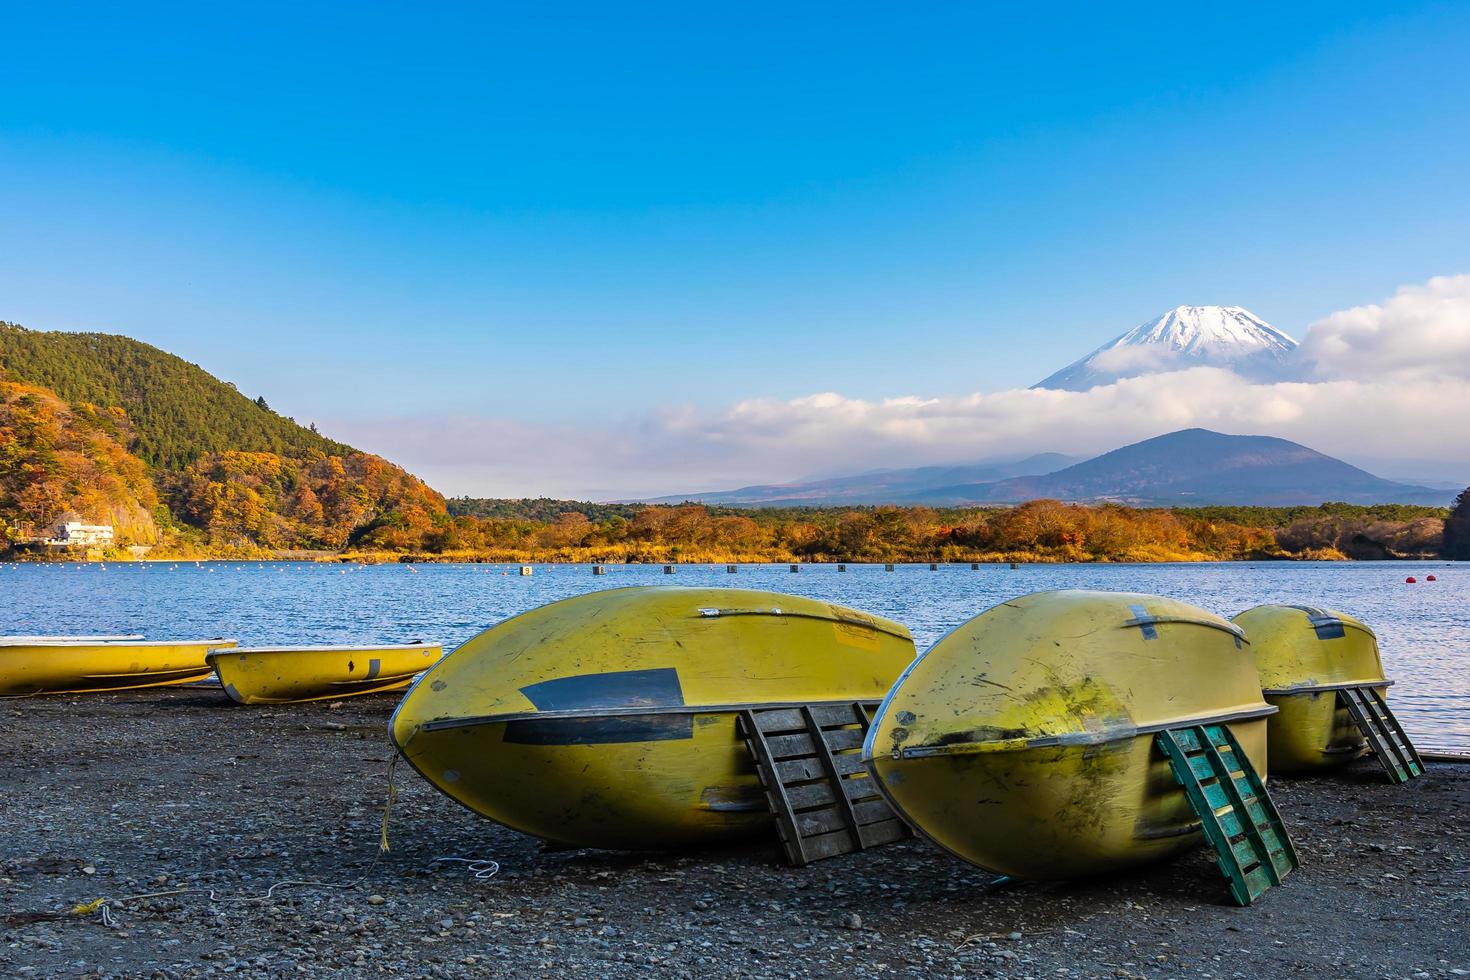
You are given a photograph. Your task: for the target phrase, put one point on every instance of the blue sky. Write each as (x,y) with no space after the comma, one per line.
(586,216)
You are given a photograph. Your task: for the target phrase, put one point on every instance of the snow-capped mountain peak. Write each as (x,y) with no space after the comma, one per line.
(1184,337)
(1193,328)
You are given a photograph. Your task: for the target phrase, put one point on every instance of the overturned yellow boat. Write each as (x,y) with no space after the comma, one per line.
(83,664)
(280,675)
(1310,660)
(609,719)
(1024,741)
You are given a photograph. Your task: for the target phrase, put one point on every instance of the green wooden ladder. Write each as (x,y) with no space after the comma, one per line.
(1385,735)
(1236,814)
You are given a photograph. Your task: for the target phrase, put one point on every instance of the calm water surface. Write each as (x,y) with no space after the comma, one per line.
(1424,629)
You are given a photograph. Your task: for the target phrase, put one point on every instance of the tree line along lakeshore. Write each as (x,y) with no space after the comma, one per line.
(1040,530)
(1037,531)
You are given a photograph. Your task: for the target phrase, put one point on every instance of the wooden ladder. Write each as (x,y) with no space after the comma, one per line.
(1236,814)
(1386,737)
(809,759)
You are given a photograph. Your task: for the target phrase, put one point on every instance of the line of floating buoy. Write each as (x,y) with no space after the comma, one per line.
(1411,580)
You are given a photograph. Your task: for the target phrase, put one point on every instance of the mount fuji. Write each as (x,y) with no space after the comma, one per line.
(1184,337)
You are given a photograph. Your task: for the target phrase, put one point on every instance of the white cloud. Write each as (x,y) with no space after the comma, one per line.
(1134,359)
(1422,331)
(1391,384)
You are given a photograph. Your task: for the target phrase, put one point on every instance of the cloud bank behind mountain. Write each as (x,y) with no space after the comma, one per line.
(1383,386)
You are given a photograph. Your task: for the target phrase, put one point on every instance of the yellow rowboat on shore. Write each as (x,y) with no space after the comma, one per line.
(1305,657)
(279,675)
(609,719)
(1024,741)
(84,664)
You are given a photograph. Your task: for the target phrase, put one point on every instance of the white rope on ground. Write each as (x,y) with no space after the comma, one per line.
(270,892)
(103,906)
(482,868)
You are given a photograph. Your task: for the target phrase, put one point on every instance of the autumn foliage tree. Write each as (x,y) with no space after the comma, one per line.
(57,460)
(313,502)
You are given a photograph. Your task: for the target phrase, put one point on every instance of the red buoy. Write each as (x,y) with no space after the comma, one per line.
(1430,578)
(1410,580)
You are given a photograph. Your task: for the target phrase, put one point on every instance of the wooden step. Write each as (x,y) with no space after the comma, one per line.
(809,760)
(1386,737)
(1237,816)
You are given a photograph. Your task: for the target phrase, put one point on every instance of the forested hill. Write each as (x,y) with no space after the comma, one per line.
(113,431)
(179,412)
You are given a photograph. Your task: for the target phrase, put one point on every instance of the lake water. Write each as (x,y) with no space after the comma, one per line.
(1423,629)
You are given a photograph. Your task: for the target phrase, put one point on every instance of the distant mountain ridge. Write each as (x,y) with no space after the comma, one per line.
(1191,467)
(874,487)
(1181,338)
(1194,467)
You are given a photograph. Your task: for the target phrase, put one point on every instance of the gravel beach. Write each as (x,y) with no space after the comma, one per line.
(256,830)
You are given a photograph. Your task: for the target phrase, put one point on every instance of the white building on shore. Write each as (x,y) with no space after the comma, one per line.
(71,532)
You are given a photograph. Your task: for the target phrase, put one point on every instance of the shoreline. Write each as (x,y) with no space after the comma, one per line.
(410,558)
(158,791)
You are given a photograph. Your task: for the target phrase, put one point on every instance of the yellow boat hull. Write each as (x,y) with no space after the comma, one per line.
(609,719)
(1023,742)
(283,675)
(1311,732)
(1054,812)
(35,666)
(1304,656)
